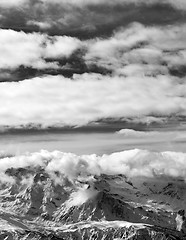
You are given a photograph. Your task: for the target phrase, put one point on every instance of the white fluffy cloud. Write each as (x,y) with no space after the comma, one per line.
(88,97)
(139,57)
(138,134)
(140,50)
(18,48)
(136,50)
(61,46)
(131,163)
(31,50)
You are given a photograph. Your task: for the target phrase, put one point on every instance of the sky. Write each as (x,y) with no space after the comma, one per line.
(81,63)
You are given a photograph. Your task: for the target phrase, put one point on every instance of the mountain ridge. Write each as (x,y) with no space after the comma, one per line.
(38,204)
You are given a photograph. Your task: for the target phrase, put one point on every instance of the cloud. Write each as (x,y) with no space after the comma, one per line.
(139,50)
(18,48)
(58,46)
(85,98)
(32,50)
(153,136)
(41,25)
(37,159)
(11,3)
(135,50)
(4,178)
(80,197)
(87,19)
(180,4)
(147,120)
(143,163)
(133,133)
(139,82)
(132,163)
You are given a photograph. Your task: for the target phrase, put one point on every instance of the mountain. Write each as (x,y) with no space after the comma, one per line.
(100,207)
(39,204)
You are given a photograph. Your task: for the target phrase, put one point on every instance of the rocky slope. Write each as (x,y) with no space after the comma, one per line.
(92,231)
(36,206)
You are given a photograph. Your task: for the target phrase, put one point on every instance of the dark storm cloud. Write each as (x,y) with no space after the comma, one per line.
(84,20)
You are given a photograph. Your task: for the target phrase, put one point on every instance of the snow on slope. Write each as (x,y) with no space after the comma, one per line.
(42,191)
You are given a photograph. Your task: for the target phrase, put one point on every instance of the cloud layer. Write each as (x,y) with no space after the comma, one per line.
(87,19)
(139,50)
(132,163)
(138,71)
(81,3)
(133,51)
(32,50)
(88,97)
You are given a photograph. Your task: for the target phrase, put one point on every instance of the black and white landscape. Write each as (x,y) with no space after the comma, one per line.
(92,119)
